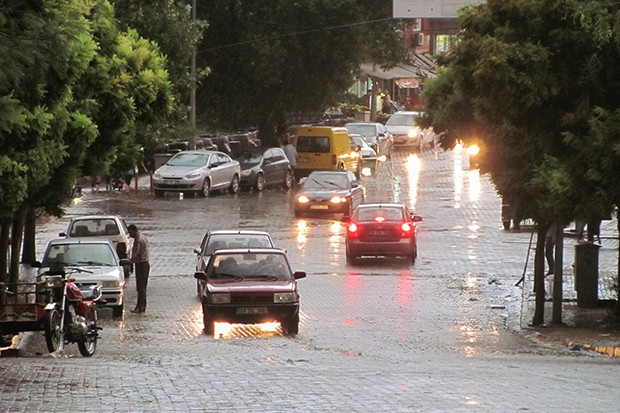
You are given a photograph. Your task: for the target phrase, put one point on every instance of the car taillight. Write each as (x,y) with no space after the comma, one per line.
(353,230)
(406,230)
(334,159)
(379,219)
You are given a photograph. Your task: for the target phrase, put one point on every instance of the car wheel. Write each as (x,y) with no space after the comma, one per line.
(291,327)
(288,181)
(260,182)
(234,185)
(411,258)
(159,193)
(117,311)
(350,258)
(204,190)
(208,322)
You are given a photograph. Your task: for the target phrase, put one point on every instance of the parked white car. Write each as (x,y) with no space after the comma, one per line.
(198,172)
(96,261)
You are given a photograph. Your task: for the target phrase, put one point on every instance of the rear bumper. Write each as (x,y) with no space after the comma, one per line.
(399,248)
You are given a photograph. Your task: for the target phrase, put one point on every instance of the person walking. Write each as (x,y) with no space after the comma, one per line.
(140,259)
(291,155)
(550,248)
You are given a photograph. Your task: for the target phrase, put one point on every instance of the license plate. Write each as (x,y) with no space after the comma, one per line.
(170,181)
(379,233)
(304,159)
(252,310)
(319,207)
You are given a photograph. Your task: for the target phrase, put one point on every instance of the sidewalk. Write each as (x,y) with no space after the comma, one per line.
(592,329)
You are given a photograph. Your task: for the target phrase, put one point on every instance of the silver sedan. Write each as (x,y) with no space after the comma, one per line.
(197,171)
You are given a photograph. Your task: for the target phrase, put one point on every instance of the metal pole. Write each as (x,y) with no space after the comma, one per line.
(192,96)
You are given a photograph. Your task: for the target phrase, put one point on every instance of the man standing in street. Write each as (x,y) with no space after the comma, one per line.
(140,259)
(291,155)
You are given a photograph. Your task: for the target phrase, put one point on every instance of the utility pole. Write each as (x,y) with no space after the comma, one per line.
(192,96)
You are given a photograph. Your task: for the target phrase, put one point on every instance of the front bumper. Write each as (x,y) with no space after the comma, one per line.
(251,314)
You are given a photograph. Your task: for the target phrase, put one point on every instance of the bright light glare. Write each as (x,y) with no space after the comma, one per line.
(473,150)
(414,165)
(382,158)
(379,219)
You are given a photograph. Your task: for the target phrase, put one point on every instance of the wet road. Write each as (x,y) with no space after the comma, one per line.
(443,335)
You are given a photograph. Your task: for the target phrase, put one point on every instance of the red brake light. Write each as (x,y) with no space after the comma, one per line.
(379,219)
(406,230)
(352,230)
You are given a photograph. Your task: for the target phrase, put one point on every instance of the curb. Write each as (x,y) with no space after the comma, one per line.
(611,351)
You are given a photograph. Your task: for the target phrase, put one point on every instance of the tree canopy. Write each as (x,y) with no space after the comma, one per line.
(536,83)
(269,60)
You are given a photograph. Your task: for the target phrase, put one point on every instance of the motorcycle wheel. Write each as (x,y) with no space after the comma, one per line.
(88,345)
(53,333)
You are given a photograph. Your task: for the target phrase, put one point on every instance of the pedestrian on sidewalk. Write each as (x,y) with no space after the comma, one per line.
(550,247)
(140,259)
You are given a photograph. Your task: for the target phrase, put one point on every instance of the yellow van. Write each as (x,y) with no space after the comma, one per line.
(325,148)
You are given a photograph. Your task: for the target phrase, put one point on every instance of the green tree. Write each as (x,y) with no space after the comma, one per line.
(525,79)
(268,60)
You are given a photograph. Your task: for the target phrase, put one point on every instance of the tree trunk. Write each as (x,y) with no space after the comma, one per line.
(558,276)
(5,231)
(17,235)
(618,272)
(29,251)
(539,276)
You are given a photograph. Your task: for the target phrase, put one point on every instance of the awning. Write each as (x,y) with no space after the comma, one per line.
(423,68)
(407,83)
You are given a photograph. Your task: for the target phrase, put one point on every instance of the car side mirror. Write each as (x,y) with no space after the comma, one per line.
(299,274)
(197,251)
(62,234)
(416,218)
(200,275)
(354,184)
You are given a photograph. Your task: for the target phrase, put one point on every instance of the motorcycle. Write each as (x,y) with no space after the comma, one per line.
(70,313)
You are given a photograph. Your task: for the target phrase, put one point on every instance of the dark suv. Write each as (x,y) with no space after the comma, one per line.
(250,286)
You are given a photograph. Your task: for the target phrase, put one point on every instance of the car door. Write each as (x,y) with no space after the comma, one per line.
(269,167)
(220,167)
(357,191)
(280,165)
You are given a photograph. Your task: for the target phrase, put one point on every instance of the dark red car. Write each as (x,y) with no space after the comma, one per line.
(381,230)
(250,286)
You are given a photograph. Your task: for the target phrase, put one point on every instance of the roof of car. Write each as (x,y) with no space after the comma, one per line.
(89,217)
(363,123)
(228,251)
(237,231)
(200,152)
(81,241)
(381,205)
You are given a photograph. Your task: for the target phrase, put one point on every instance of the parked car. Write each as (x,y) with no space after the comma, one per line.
(96,260)
(110,227)
(329,192)
(198,171)
(406,132)
(376,135)
(250,286)
(224,238)
(381,230)
(369,156)
(263,167)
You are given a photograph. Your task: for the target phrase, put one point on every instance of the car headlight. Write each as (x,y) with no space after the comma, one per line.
(338,199)
(302,199)
(192,176)
(112,284)
(156,175)
(220,298)
(473,150)
(284,298)
(412,133)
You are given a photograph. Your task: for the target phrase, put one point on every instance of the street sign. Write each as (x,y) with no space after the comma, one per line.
(403,9)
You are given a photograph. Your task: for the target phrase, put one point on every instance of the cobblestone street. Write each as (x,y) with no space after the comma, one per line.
(446,335)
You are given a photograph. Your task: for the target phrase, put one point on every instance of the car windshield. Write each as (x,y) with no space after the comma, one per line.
(248,158)
(221,241)
(322,181)
(401,119)
(93,228)
(364,130)
(189,159)
(370,214)
(359,141)
(238,266)
(79,254)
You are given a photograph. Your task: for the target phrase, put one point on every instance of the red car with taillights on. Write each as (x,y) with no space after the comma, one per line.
(381,230)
